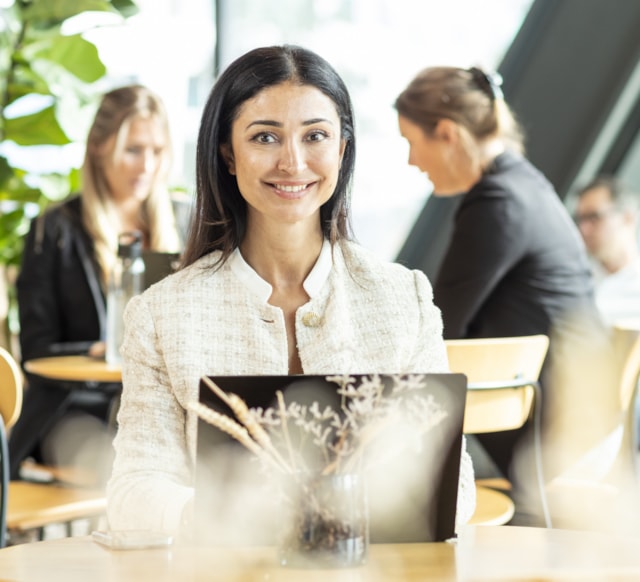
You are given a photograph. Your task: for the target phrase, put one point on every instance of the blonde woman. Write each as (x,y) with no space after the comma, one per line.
(68,255)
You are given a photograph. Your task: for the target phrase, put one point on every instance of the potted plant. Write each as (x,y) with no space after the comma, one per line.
(47,87)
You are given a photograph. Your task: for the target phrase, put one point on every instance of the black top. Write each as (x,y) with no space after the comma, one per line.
(516,262)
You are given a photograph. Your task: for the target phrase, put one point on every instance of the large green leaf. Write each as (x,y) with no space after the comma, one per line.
(76,55)
(57,11)
(36,129)
(6,172)
(126,7)
(75,180)
(25,81)
(13,227)
(17,190)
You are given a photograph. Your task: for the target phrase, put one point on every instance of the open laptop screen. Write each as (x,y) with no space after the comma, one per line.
(412,494)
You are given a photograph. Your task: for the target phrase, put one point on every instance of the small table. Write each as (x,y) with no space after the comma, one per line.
(74,369)
(482,554)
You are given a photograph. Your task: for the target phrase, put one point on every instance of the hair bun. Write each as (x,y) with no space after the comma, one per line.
(490,83)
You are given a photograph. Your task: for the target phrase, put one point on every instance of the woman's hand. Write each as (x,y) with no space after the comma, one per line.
(97,350)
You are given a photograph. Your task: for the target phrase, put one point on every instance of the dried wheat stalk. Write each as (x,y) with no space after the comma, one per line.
(282,409)
(241,410)
(233,429)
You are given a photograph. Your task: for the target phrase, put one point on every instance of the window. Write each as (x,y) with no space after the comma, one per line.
(376,45)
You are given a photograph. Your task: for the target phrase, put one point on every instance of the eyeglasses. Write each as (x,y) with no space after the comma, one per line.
(593,217)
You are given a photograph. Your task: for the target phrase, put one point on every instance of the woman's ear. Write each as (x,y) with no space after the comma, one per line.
(227,155)
(446,130)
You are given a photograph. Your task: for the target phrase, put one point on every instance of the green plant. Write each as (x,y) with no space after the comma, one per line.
(47,84)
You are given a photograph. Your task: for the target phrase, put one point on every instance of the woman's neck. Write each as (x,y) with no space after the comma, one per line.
(128,213)
(489,151)
(284,260)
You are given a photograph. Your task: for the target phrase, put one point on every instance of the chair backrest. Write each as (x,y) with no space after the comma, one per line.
(11,382)
(627,348)
(502,374)
(627,345)
(498,359)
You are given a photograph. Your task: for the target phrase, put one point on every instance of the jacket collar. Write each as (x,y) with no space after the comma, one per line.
(258,286)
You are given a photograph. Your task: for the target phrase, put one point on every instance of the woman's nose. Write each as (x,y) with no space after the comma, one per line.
(292,158)
(147,161)
(150,162)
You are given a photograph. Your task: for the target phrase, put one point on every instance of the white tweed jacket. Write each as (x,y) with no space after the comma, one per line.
(366,316)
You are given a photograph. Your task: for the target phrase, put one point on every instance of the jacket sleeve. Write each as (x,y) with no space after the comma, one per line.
(432,347)
(151,481)
(430,353)
(487,241)
(44,316)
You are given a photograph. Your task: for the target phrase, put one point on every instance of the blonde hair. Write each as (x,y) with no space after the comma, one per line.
(115,113)
(469,97)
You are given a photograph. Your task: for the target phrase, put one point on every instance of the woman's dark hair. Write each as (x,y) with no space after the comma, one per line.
(220,216)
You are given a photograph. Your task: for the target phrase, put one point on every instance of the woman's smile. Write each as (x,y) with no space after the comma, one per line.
(292,191)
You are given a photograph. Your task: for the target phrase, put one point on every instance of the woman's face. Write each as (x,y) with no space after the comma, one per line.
(132,171)
(285,152)
(433,155)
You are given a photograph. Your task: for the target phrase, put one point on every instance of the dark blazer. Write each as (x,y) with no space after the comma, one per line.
(61,301)
(516,263)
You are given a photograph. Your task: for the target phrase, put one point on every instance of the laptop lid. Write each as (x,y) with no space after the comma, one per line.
(412,494)
(157,265)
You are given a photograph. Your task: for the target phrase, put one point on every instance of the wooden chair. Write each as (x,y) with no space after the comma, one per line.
(492,507)
(28,506)
(602,489)
(502,394)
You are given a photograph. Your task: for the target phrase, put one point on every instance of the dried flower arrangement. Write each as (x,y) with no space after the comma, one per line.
(327,440)
(322,450)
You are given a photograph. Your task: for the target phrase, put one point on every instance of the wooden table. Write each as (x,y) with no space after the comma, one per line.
(482,554)
(75,369)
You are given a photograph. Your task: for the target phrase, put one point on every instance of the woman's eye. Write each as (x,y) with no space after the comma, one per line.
(264,138)
(317,135)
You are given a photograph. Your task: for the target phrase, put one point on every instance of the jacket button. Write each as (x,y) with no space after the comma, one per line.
(311,319)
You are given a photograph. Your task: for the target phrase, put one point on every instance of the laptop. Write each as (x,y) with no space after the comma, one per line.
(157,265)
(412,495)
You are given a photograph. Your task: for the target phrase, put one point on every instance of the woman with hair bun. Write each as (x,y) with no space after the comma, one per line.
(515,264)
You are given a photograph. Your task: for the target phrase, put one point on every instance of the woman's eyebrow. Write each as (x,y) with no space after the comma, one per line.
(264,122)
(273,123)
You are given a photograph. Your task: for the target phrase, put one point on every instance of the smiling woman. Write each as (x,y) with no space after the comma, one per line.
(271,281)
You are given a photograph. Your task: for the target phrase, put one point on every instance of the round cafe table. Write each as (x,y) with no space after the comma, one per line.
(74,369)
(481,554)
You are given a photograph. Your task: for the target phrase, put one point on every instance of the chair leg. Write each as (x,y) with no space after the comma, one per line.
(537,447)
(4,484)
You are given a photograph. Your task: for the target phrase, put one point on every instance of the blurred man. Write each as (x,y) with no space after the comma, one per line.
(607,216)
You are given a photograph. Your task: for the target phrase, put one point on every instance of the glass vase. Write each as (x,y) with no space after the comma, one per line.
(326,522)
